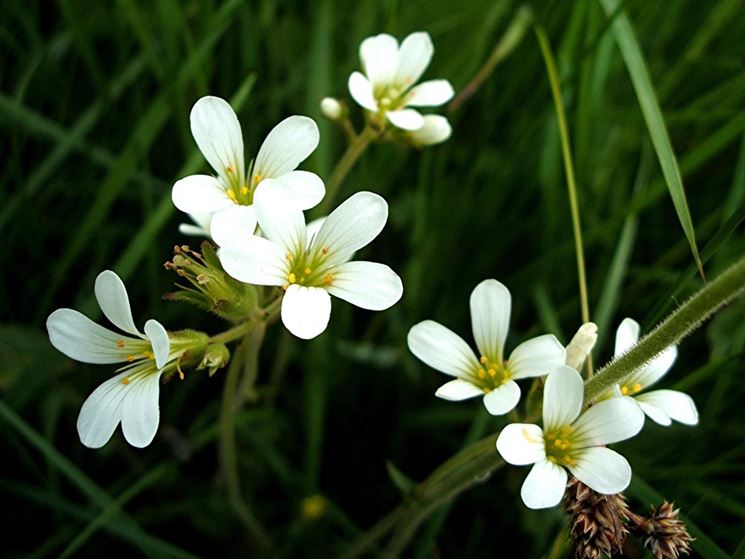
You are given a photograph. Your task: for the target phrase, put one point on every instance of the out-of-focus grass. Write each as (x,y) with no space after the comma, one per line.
(94,115)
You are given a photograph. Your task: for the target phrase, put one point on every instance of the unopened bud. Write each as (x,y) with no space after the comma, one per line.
(331,108)
(216,356)
(581,345)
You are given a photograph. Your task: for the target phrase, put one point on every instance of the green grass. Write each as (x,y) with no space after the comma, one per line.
(94,107)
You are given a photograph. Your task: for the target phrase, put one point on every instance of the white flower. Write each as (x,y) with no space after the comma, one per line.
(490,376)
(228,197)
(312,262)
(200,227)
(131,397)
(571,440)
(435,130)
(662,406)
(387,86)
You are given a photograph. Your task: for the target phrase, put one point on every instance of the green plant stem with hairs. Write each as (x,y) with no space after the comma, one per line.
(477,461)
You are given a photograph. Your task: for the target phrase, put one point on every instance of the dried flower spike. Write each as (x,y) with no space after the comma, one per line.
(664,534)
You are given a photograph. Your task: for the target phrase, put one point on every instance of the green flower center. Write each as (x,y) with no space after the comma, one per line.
(491,374)
(559,446)
(310,269)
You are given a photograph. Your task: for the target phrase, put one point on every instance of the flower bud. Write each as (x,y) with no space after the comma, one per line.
(216,356)
(332,109)
(581,345)
(436,129)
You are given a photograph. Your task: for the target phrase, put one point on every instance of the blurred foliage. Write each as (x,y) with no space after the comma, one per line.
(94,106)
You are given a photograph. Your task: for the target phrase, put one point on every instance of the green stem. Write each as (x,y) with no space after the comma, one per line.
(509,41)
(355,149)
(229,458)
(566,151)
(463,470)
(674,328)
(237,332)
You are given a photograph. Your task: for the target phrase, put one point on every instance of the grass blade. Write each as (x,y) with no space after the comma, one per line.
(637,67)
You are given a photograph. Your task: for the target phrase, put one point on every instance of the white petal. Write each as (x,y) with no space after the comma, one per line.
(101,412)
(312,229)
(306,311)
(544,487)
(436,129)
(280,220)
(361,91)
(490,317)
(406,119)
(216,130)
(521,444)
(255,260)
(655,414)
(562,398)
(654,370)
(602,470)
(159,341)
(78,337)
(114,302)
(581,345)
(676,405)
(503,399)
(442,349)
(608,422)
(140,414)
(536,357)
(368,285)
(351,226)
(413,58)
(233,224)
(286,146)
(626,336)
(457,390)
(202,227)
(305,189)
(379,57)
(430,94)
(200,194)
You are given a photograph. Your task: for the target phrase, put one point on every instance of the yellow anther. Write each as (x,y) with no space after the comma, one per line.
(148,355)
(125,381)
(307,271)
(180,374)
(232,195)
(229,169)
(624,390)
(325,250)
(483,360)
(244,190)
(328,278)
(636,388)
(289,256)
(120,343)
(257,178)
(291,278)
(482,374)
(551,437)
(130,358)
(492,372)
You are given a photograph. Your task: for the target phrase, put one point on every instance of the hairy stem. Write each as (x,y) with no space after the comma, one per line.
(240,330)
(566,151)
(355,149)
(674,328)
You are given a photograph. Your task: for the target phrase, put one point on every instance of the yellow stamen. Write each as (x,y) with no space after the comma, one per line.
(244,190)
(483,360)
(120,343)
(625,390)
(130,358)
(291,278)
(229,169)
(289,256)
(325,250)
(307,271)
(232,195)
(125,381)
(636,388)
(257,178)
(328,278)
(148,355)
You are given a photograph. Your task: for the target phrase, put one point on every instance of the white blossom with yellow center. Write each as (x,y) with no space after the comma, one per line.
(313,262)
(662,406)
(131,397)
(223,205)
(387,86)
(570,440)
(490,375)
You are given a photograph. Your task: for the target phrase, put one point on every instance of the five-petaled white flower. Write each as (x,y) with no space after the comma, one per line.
(312,263)
(228,197)
(131,397)
(662,406)
(490,376)
(387,87)
(436,129)
(573,440)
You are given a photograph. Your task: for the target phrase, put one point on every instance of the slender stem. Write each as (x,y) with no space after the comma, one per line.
(566,151)
(463,470)
(229,458)
(237,332)
(509,41)
(355,149)
(684,320)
